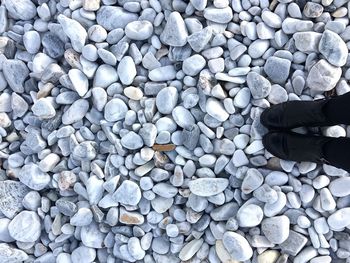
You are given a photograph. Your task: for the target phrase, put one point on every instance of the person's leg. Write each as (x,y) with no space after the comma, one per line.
(337,152)
(300,147)
(337,109)
(292,114)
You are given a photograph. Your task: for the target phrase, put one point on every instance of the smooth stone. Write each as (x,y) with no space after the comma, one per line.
(249,215)
(75,31)
(183,117)
(132,141)
(15,73)
(252,181)
(166,100)
(105,76)
(198,40)
(242,98)
(91,236)
(293,25)
(215,109)
(113,17)
(312,10)
(25,227)
(294,243)
(208,186)
(277,69)
(277,95)
(139,30)
(193,65)
(333,48)
(135,249)
(340,187)
(259,86)
(126,70)
(33,177)
(258,48)
(175,32)
(339,219)
(190,249)
(276,229)
(79,80)
(21,10)
(307,42)
(218,15)
(32,41)
(323,76)
(10,254)
(53,45)
(11,196)
(130,218)
(162,73)
(148,132)
(115,110)
(75,112)
(271,19)
(83,217)
(82,254)
(128,193)
(237,246)
(4,232)
(133,93)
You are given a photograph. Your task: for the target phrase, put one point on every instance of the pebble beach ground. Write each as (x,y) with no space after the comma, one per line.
(130,131)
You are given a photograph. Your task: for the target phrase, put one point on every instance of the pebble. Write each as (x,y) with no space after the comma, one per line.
(307,42)
(190,249)
(25,227)
(113,17)
(193,65)
(339,187)
(208,186)
(237,246)
(139,30)
(75,112)
(11,195)
(175,32)
(259,86)
(31,175)
(23,10)
(128,193)
(333,48)
(166,100)
(132,141)
(323,76)
(312,10)
(277,95)
(339,218)
(115,110)
(198,40)
(135,249)
(215,109)
(252,181)
(218,15)
(32,41)
(74,30)
(183,117)
(276,229)
(249,215)
(10,254)
(105,76)
(126,70)
(83,253)
(15,72)
(277,69)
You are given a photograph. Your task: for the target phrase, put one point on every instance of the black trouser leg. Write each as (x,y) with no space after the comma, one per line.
(337,152)
(337,109)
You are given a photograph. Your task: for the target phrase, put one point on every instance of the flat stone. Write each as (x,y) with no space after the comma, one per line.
(126,70)
(15,73)
(43,109)
(135,249)
(79,80)
(294,243)
(32,41)
(11,196)
(323,76)
(91,236)
(333,48)
(307,42)
(259,86)
(208,186)
(252,181)
(166,100)
(175,32)
(75,112)
(105,76)
(139,30)
(115,110)
(200,39)
(215,109)
(128,193)
(237,246)
(130,218)
(33,177)
(249,215)
(340,187)
(82,254)
(277,69)
(25,227)
(132,141)
(339,218)
(183,117)
(162,73)
(293,25)
(112,17)
(190,249)
(276,229)
(218,15)
(277,95)
(53,45)
(193,65)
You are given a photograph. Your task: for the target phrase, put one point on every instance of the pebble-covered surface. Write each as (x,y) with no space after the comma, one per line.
(130,132)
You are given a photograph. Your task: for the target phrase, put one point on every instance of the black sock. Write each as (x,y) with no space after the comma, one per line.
(337,109)
(337,152)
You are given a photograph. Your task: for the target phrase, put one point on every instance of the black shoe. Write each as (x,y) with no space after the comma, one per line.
(296,147)
(293,114)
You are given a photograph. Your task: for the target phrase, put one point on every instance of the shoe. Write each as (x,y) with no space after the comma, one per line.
(296,147)
(293,114)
